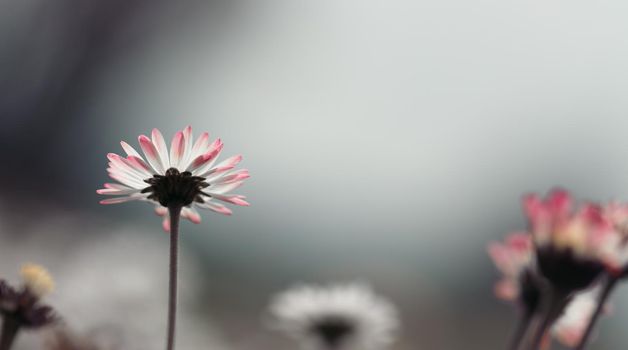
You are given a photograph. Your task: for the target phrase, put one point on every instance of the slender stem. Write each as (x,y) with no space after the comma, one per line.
(175,213)
(556,302)
(521,330)
(609,285)
(10,328)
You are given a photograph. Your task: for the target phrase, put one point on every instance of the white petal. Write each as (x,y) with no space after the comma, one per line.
(125,179)
(116,192)
(130,151)
(121,199)
(217,207)
(150,151)
(187,152)
(200,146)
(177,147)
(160,145)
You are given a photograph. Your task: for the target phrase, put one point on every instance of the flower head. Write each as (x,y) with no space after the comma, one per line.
(335,317)
(185,176)
(514,259)
(22,306)
(572,247)
(37,280)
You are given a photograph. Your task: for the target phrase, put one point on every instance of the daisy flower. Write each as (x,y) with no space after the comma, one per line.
(336,317)
(572,247)
(514,259)
(187,176)
(177,181)
(21,308)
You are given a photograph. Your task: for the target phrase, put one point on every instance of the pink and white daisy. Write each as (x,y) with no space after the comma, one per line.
(513,259)
(572,247)
(187,175)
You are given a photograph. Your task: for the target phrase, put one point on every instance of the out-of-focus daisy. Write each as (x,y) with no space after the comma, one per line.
(187,175)
(22,308)
(514,259)
(572,247)
(571,326)
(335,317)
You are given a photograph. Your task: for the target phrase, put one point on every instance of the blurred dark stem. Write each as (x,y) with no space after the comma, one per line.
(10,328)
(521,330)
(555,302)
(175,214)
(609,285)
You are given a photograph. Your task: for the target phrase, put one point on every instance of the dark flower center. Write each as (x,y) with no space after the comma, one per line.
(23,309)
(565,270)
(333,330)
(176,188)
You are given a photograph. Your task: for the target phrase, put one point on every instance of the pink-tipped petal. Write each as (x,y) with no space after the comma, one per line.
(191,214)
(165,224)
(234,199)
(116,186)
(116,192)
(203,161)
(161,211)
(140,165)
(125,179)
(506,290)
(226,178)
(160,145)
(120,200)
(559,202)
(520,242)
(130,151)
(532,206)
(151,154)
(186,158)
(200,146)
(202,165)
(177,148)
(131,166)
(216,207)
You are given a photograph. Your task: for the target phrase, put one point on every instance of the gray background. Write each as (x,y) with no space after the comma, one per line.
(388,141)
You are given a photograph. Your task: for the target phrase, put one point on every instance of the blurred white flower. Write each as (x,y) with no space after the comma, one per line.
(348,316)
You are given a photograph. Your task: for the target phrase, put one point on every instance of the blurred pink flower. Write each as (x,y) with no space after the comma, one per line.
(512,258)
(186,175)
(572,247)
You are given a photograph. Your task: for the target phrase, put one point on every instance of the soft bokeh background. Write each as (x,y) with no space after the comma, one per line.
(389,141)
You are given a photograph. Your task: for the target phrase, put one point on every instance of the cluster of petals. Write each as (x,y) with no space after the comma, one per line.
(198,157)
(588,232)
(512,258)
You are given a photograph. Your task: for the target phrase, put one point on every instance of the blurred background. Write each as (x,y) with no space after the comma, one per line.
(388,142)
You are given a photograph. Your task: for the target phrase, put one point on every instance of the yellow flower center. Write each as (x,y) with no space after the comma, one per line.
(37,279)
